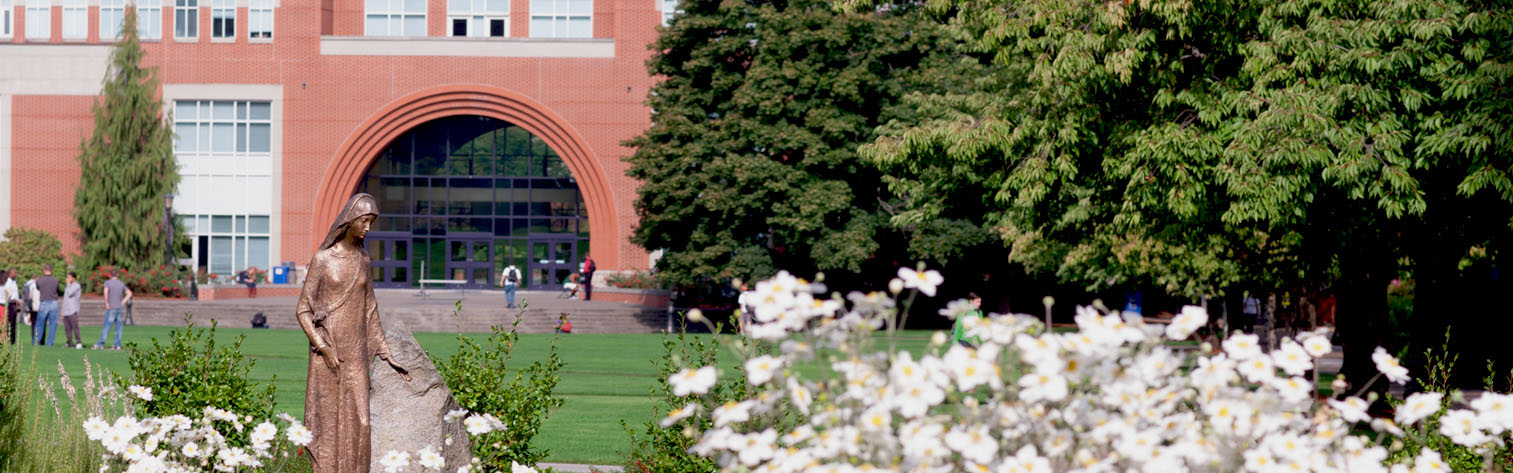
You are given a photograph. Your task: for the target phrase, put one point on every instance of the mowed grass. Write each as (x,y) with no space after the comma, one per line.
(606,378)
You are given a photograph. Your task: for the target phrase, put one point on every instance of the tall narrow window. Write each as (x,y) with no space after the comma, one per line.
(150,19)
(669,8)
(395,18)
(260,19)
(562,18)
(112,13)
(75,19)
(7,9)
(186,19)
(39,20)
(223,19)
(478,17)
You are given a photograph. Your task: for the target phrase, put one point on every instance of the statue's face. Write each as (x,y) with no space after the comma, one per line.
(359,228)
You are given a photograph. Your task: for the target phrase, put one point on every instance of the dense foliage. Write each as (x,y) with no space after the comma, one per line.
(750,163)
(27,250)
(1197,146)
(126,166)
(190,373)
(483,381)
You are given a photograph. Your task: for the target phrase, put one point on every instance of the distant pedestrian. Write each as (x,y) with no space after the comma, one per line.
(70,309)
(29,304)
(7,295)
(966,320)
(744,304)
(564,325)
(249,277)
(116,297)
(46,292)
(1251,312)
(509,279)
(588,278)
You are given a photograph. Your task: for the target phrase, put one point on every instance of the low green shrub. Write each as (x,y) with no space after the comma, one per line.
(655,448)
(26,250)
(190,372)
(14,394)
(480,378)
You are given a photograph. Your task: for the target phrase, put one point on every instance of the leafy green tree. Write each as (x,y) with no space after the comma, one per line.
(126,165)
(750,164)
(27,250)
(1202,146)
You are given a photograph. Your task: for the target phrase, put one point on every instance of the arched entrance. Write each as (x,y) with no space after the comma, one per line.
(559,152)
(465,196)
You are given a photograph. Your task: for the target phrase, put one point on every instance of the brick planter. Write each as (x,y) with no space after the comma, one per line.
(239,291)
(654,298)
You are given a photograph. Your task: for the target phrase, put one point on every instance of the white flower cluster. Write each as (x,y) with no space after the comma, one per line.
(176,443)
(1114,395)
(430,460)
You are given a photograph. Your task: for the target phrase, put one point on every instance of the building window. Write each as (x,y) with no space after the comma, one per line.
(669,8)
(150,19)
(6,10)
(39,20)
(260,19)
(223,19)
(186,19)
(112,13)
(562,18)
(395,18)
(479,17)
(224,152)
(224,245)
(75,19)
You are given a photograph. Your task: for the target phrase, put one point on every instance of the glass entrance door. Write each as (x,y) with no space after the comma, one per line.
(390,252)
(553,260)
(470,258)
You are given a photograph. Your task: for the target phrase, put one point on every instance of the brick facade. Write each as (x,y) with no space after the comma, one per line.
(589,103)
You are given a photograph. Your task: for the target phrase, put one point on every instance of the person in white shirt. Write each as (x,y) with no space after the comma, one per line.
(509,279)
(10,296)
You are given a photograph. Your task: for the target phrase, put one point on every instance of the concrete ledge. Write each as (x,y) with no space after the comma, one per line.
(472,47)
(652,298)
(238,291)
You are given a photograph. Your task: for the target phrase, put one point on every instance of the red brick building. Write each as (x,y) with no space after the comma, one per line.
(489,130)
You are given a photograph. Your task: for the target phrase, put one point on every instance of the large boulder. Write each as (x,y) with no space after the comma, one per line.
(408,416)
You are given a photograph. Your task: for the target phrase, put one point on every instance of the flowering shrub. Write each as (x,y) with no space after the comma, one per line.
(660,445)
(161,280)
(636,280)
(190,372)
(1111,396)
(482,382)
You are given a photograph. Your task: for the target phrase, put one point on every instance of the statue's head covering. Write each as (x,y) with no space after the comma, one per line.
(358,206)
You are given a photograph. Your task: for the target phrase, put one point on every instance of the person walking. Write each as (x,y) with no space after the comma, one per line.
(116,297)
(46,287)
(70,309)
(509,279)
(7,294)
(966,320)
(587,281)
(29,304)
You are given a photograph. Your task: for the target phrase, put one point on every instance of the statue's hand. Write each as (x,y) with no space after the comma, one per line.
(402,371)
(329,354)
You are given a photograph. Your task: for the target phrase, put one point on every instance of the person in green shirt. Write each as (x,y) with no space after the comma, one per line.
(959,332)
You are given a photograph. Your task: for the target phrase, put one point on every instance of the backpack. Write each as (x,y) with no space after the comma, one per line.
(590,267)
(511,276)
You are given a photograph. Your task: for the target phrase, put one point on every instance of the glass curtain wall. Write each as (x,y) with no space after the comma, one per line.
(463,197)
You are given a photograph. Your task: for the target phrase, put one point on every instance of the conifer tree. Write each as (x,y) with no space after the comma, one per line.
(126,165)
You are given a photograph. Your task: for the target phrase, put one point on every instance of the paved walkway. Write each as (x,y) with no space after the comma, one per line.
(576,468)
(437,312)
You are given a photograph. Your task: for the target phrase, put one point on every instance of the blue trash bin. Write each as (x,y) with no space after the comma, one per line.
(281,275)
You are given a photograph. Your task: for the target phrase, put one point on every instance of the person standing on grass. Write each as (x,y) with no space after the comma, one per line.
(47,307)
(70,309)
(966,320)
(509,279)
(7,292)
(116,297)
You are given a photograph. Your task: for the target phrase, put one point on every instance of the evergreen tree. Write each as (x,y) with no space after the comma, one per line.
(750,164)
(126,165)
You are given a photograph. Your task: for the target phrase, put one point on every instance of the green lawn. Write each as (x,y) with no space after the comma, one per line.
(605,378)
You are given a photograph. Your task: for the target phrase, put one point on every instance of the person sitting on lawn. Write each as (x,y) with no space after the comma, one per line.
(564,325)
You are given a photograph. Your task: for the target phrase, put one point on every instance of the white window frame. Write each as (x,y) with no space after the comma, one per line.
(219,10)
(559,16)
(394,12)
(260,20)
(200,159)
(7,18)
(187,14)
(198,225)
(75,19)
(478,15)
(112,18)
(39,10)
(668,9)
(150,19)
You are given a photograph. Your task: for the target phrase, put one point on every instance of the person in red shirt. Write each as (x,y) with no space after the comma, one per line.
(564,325)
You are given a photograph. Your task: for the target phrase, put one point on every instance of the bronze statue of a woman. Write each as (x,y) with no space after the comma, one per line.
(340,315)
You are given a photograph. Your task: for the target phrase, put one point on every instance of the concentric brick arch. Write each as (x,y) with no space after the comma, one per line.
(360,149)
